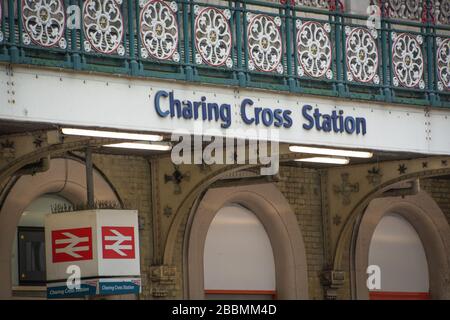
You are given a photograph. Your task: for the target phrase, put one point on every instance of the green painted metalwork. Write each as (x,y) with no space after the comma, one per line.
(13,50)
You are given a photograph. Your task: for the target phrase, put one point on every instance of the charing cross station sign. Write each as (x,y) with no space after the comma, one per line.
(269,117)
(86,100)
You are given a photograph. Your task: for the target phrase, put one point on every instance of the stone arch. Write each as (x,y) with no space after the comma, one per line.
(11,167)
(277,217)
(174,245)
(343,253)
(422,212)
(190,201)
(65,177)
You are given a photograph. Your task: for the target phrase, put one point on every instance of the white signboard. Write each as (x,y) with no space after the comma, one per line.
(102,243)
(154,105)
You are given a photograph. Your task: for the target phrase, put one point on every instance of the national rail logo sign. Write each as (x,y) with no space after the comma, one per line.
(103,243)
(118,243)
(71,245)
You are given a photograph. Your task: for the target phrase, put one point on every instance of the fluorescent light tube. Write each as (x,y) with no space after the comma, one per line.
(140,146)
(326,160)
(331,152)
(111,134)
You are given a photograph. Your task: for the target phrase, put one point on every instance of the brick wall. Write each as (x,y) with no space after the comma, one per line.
(301,187)
(439,189)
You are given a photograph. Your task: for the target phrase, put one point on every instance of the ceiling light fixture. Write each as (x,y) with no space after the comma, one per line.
(140,146)
(111,134)
(326,160)
(331,152)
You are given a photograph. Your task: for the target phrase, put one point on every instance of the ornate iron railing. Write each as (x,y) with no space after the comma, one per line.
(301,46)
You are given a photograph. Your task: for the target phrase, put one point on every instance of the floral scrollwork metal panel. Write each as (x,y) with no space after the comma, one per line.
(44,22)
(265,44)
(320,4)
(314,49)
(103,26)
(362,55)
(443,63)
(1,33)
(213,38)
(407,60)
(404,9)
(159,30)
(442,11)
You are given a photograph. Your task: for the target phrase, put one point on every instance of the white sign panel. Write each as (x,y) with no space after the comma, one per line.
(102,243)
(146,105)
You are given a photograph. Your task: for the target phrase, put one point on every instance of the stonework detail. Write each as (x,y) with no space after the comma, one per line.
(163,280)
(402,168)
(374,176)
(176,178)
(168,211)
(8,150)
(337,220)
(332,281)
(346,189)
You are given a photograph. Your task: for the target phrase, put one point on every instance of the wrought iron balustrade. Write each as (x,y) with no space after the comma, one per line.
(299,46)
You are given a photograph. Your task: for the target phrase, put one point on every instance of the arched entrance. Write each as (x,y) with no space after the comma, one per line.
(65,179)
(396,249)
(272,210)
(238,257)
(412,223)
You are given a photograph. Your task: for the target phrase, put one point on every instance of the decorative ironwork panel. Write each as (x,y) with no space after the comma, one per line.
(443,63)
(265,46)
(320,4)
(407,60)
(314,49)
(404,9)
(1,33)
(323,49)
(213,38)
(442,11)
(44,22)
(103,26)
(159,30)
(362,55)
